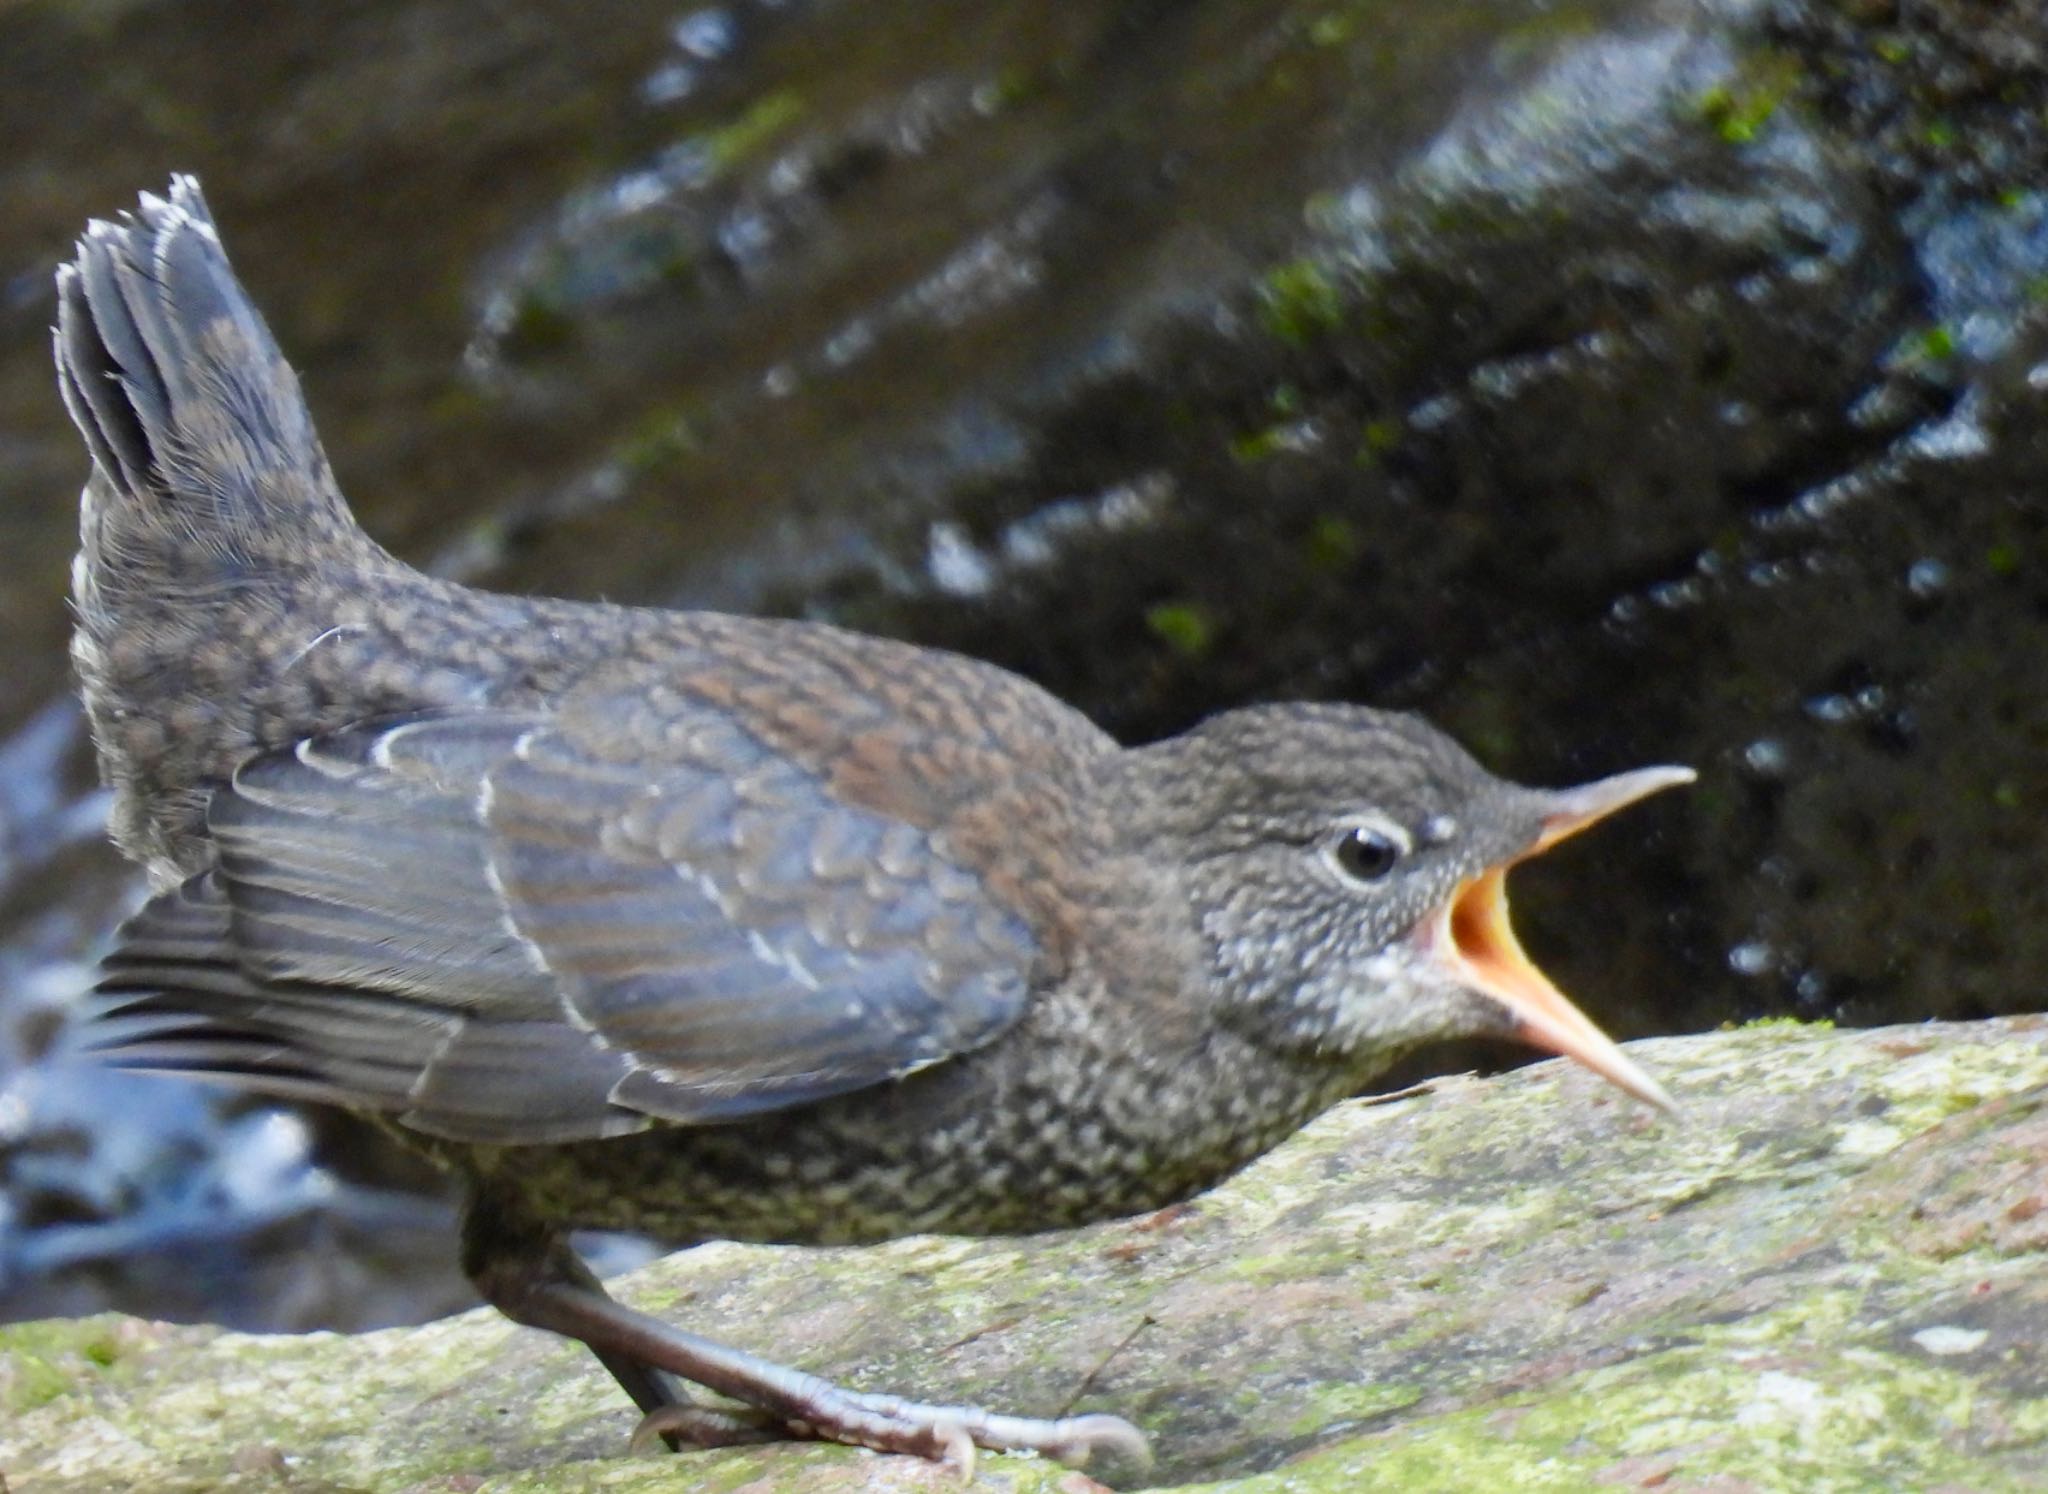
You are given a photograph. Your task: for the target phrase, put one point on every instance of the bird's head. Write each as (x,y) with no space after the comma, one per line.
(1347,868)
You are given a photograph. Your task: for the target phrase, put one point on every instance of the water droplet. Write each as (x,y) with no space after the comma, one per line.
(1768,758)
(1752,958)
(1831,709)
(1433,414)
(706,35)
(1927,579)
(850,342)
(1960,436)
(14,1117)
(956,565)
(745,235)
(668,83)
(1675,596)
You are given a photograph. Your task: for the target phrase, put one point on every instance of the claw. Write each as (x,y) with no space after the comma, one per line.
(700,1426)
(959,1447)
(1088,1437)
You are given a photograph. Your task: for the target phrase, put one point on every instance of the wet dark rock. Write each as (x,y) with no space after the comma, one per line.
(1615,381)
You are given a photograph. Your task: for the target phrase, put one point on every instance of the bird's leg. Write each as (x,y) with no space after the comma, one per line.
(501,1245)
(528,1273)
(671,1417)
(805,1404)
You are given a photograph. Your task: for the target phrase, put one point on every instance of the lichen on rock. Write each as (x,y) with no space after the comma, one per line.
(1517,1282)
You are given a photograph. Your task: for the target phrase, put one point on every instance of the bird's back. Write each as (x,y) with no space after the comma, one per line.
(228,604)
(514,869)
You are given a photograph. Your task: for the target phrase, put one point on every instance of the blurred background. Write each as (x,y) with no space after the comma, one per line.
(1614,381)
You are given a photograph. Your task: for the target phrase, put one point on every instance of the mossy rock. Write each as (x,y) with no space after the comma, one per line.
(1827,1274)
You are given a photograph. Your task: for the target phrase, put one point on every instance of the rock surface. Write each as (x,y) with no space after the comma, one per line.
(1827,1276)
(1613,380)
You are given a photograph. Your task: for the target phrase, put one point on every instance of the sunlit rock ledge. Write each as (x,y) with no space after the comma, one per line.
(1827,1273)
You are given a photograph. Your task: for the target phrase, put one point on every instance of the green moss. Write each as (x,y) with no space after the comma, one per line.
(1299,301)
(1742,108)
(1256,446)
(1738,116)
(1335,1405)
(1184,627)
(1810,1419)
(40,1362)
(1016,85)
(768,117)
(538,326)
(1334,542)
(1922,1090)
(1378,437)
(1937,342)
(31,1381)
(1331,30)
(661,441)
(457,402)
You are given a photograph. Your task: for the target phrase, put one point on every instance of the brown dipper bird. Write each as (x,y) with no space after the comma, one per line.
(717,927)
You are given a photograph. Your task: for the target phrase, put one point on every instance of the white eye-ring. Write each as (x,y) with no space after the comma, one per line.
(1364,850)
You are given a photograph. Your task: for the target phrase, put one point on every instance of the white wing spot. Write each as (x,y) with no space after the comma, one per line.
(571,1013)
(380,751)
(713,893)
(307,751)
(535,956)
(782,959)
(448,1041)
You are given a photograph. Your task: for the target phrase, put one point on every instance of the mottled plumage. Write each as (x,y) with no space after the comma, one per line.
(707,926)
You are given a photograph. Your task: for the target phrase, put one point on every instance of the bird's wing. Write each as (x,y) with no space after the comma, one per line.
(524,926)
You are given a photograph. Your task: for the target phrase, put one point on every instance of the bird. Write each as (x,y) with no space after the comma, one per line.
(704,926)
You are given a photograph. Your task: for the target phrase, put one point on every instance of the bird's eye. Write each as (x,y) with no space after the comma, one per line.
(1364,853)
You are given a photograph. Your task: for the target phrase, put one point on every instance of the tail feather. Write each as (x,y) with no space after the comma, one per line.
(209,494)
(87,375)
(191,413)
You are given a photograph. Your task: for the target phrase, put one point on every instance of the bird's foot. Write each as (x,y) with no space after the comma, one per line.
(887,1423)
(549,1288)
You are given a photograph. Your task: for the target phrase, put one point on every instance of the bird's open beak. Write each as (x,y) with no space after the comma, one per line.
(1474,935)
